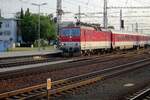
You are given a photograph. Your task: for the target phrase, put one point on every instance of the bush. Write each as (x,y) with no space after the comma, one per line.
(43,43)
(25,45)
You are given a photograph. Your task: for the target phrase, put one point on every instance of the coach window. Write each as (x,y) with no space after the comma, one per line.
(75,32)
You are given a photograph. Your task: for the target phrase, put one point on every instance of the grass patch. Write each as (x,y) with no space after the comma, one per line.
(29,49)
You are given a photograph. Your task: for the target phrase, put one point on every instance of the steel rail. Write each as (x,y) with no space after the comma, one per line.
(142,96)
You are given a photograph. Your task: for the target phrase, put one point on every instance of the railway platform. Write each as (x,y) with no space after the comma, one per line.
(28,53)
(23,67)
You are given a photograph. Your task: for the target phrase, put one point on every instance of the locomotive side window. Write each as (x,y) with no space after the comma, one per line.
(70,32)
(65,32)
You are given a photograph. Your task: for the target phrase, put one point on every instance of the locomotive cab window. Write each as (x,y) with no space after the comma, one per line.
(70,32)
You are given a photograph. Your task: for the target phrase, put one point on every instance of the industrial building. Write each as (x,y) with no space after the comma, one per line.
(8,33)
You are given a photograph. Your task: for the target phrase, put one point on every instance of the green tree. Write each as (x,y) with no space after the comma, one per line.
(21,14)
(47,28)
(29,27)
(27,13)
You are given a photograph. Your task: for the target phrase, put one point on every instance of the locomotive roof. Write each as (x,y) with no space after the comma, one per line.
(113,31)
(85,27)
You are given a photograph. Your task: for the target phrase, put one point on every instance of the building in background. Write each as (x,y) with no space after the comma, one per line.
(8,33)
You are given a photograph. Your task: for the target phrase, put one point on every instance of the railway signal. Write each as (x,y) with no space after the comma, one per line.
(122,24)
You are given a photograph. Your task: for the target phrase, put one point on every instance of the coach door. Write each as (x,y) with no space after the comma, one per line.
(83,40)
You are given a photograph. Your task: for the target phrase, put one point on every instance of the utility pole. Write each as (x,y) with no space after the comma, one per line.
(132,27)
(59,13)
(39,36)
(136,27)
(0,13)
(105,20)
(79,14)
(127,28)
(120,19)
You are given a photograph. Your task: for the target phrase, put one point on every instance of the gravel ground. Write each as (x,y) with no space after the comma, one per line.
(37,78)
(114,88)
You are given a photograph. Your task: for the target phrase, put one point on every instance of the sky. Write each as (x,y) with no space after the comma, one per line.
(89,7)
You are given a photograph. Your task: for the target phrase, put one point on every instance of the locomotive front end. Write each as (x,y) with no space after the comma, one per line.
(70,40)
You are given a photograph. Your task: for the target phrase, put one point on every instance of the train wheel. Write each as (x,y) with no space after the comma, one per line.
(82,53)
(138,47)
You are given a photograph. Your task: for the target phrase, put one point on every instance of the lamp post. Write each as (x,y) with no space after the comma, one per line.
(39,6)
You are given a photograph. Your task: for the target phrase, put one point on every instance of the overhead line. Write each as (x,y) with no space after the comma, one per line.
(138,7)
(79,4)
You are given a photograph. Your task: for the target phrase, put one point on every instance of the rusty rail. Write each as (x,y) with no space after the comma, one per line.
(145,95)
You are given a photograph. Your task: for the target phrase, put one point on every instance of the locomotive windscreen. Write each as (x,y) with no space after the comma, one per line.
(70,32)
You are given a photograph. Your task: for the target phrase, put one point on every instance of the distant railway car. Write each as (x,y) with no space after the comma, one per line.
(121,40)
(124,40)
(143,40)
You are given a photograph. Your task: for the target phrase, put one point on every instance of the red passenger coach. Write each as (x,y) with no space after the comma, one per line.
(84,39)
(126,40)
(122,40)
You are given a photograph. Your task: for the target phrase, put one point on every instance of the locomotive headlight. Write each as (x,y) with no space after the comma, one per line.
(70,37)
(62,44)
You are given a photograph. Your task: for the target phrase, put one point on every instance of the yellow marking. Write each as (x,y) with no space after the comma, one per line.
(49,84)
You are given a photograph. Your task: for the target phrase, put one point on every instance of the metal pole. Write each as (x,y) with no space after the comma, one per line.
(79,14)
(39,41)
(127,28)
(120,19)
(39,5)
(132,28)
(48,96)
(0,13)
(105,14)
(136,27)
(59,14)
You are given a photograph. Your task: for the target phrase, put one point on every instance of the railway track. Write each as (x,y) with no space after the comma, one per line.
(26,61)
(78,62)
(37,59)
(140,95)
(6,63)
(45,61)
(32,60)
(71,84)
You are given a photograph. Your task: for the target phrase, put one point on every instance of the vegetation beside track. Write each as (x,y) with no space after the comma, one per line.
(29,49)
